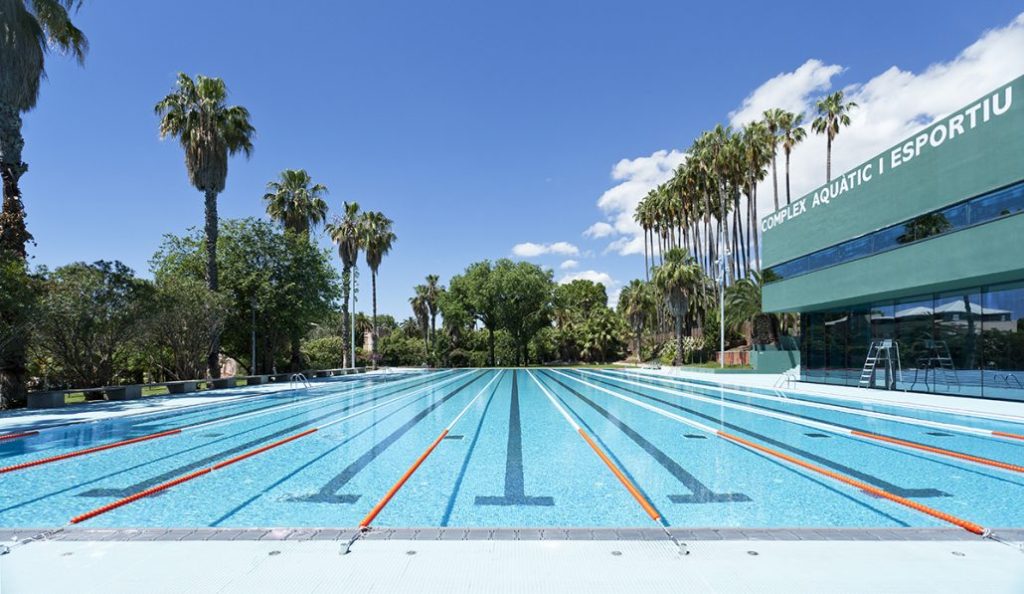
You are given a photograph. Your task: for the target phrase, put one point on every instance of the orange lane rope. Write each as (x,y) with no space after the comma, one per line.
(644,503)
(941,451)
(18,435)
(1010,435)
(370,517)
(965,524)
(92,450)
(182,479)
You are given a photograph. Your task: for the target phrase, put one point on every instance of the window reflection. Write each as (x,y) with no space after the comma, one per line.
(1005,202)
(967,343)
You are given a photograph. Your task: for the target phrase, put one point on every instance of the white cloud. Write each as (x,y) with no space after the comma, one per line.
(598,230)
(892,105)
(569,265)
(591,275)
(532,250)
(636,177)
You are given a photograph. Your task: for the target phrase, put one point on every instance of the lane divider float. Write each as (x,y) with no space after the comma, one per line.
(8,436)
(364,525)
(647,379)
(831,428)
(179,430)
(245,455)
(935,513)
(631,487)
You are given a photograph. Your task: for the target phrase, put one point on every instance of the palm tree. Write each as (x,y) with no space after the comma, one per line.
(773,119)
(833,115)
(209,131)
(422,312)
(377,241)
(433,294)
(27,31)
(346,232)
(792,133)
(678,280)
(635,304)
(296,202)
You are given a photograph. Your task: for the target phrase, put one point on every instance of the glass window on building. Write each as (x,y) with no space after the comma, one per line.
(836,327)
(914,332)
(1002,332)
(954,358)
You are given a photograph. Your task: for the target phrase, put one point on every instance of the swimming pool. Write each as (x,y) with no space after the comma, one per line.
(513,457)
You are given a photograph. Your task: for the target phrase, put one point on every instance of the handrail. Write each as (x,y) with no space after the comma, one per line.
(300,379)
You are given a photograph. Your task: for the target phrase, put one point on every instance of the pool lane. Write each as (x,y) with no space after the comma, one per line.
(316,480)
(1015,427)
(512,461)
(993,448)
(953,487)
(53,493)
(102,433)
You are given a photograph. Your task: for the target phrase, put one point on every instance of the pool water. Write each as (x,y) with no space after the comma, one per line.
(514,460)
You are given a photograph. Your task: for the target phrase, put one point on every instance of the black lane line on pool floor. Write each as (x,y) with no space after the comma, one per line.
(348,439)
(709,392)
(329,492)
(450,506)
(837,466)
(515,486)
(242,398)
(291,399)
(170,474)
(700,493)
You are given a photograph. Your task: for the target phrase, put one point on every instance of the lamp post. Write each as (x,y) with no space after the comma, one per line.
(252,359)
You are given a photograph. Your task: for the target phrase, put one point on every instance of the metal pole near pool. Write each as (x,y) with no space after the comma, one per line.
(721,288)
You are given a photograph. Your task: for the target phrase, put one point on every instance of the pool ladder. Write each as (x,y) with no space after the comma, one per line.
(299,380)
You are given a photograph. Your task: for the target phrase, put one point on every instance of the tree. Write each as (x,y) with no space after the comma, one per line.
(90,317)
(524,302)
(602,335)
(346,232)
(183,321)
(476,292)
(281,279)
(421,310)
(678,280)
(296,202)
(773,121)
(378,238)
(27,31)
(432,295)
(209,131)
(833,115)
(19,300)
(792,133)
(636,304)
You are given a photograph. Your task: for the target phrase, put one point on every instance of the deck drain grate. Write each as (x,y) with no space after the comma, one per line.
(816,435)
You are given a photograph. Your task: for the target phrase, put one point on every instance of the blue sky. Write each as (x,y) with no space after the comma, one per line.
(476,126)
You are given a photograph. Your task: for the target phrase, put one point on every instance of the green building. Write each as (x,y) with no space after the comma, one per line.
(908,270)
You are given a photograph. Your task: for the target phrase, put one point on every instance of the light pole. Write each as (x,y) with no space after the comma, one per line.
(352,317)
(252,360)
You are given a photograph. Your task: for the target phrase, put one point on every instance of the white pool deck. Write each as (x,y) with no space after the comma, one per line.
(733,561)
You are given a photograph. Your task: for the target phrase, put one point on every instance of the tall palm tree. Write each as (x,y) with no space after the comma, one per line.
(773,119)
(27,31)
(433,294)
(678,280)
(422,312)
(296,202)
(635,304)
(210,131)
(792,133)
(377,241)
(833,115)
(346,232)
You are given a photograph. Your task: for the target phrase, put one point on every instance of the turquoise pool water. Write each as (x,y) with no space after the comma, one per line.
(513,460)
